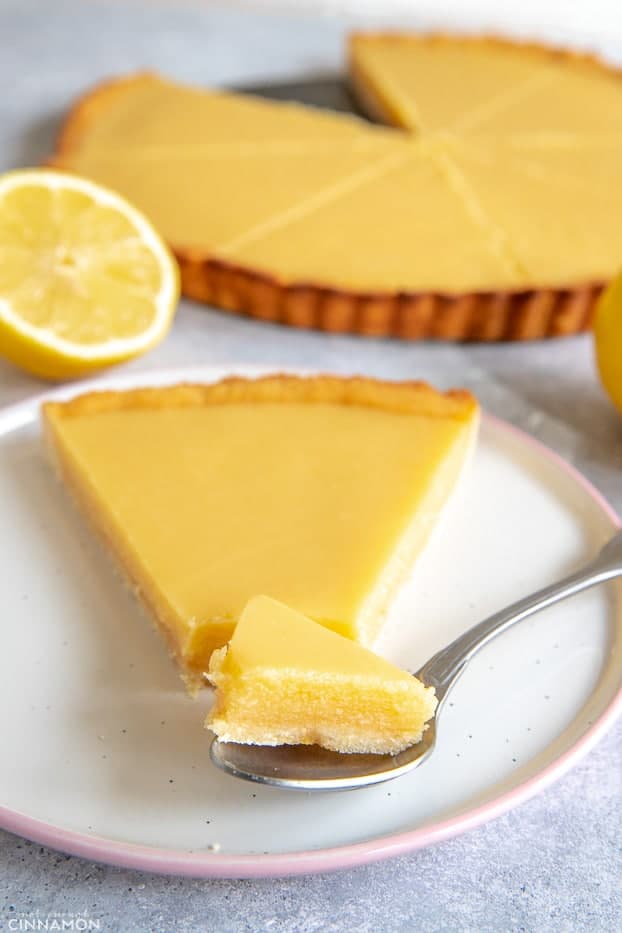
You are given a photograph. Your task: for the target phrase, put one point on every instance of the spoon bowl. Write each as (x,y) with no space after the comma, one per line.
(310,767)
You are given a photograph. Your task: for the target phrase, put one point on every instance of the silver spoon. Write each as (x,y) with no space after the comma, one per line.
(309,767)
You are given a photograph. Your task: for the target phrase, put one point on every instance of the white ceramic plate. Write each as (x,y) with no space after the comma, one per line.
(105,756)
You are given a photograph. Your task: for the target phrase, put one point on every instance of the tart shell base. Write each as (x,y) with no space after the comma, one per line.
(481,316)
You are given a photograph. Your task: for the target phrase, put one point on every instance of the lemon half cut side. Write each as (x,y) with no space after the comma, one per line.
(608,340)
(85,279)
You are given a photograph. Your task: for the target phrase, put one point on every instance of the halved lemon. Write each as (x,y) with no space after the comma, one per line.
(85,279)
(608,340)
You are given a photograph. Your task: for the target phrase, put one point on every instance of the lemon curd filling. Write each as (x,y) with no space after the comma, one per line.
(319,491)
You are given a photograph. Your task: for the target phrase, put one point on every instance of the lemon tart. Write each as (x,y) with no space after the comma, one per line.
(321,491)
(285,680)
(489,211)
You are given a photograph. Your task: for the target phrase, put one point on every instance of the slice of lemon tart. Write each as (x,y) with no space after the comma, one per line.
(321,491)
(285,680)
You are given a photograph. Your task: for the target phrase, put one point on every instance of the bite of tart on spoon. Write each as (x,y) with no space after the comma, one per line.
(314,768)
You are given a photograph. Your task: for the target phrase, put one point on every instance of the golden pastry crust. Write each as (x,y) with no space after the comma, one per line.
(525,314)
(495,315)
(404,397)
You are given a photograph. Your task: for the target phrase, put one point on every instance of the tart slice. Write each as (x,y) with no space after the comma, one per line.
(321,491)
(284,680)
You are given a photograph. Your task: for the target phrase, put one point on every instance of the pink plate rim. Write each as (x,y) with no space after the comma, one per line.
(216,865)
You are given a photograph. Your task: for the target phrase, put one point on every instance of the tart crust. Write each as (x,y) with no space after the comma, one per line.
(412,397)
(496,315)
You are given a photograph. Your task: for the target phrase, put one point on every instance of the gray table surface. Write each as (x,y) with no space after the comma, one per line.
(555,863)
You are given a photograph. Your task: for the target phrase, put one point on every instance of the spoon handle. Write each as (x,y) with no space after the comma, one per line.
(445,667)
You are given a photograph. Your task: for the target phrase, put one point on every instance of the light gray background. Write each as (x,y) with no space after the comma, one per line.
(552,865)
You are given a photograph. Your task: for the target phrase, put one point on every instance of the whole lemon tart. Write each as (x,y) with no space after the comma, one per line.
(321,491)
(490,211)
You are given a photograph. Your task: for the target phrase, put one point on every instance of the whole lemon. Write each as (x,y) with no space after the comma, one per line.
(608,340)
